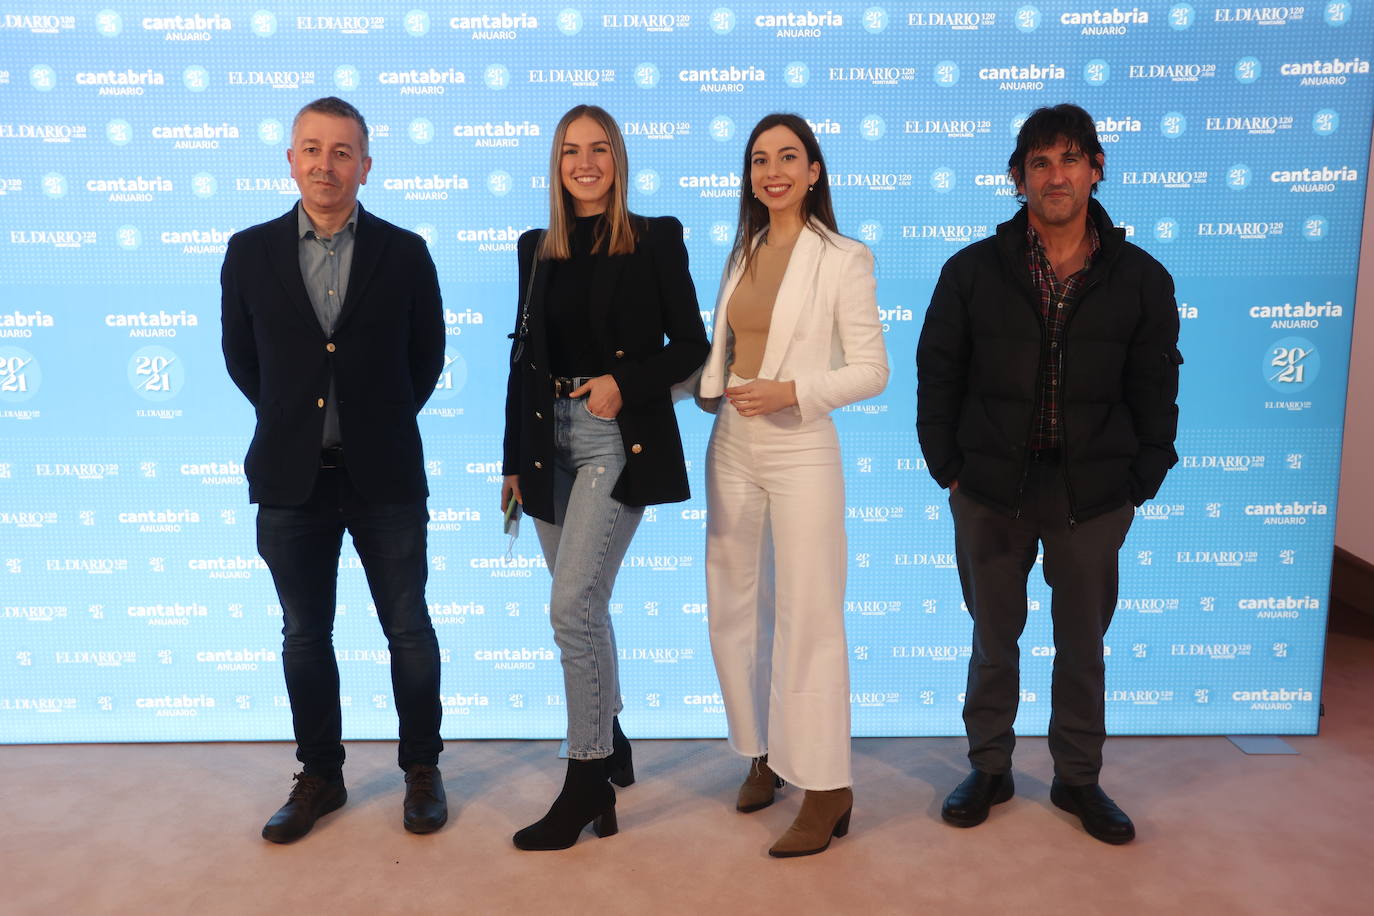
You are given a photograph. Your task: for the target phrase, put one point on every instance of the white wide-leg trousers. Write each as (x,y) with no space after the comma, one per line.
(776,558)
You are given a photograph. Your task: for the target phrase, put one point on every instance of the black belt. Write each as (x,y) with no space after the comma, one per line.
(563,387)
(1047,455)
(332,457)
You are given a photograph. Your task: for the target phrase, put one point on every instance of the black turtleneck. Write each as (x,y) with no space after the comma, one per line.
(573,349)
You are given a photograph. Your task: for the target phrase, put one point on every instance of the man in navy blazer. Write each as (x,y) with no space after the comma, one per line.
(333,329)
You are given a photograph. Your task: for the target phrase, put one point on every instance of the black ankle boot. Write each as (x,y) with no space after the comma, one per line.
(620,766)
(586,798)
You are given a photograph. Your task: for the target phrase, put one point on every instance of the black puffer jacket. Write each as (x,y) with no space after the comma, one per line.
(979,360)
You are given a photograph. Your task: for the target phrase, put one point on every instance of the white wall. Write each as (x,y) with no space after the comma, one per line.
(1355,516)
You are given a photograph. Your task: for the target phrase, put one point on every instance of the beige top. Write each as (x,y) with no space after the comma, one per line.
(750,310)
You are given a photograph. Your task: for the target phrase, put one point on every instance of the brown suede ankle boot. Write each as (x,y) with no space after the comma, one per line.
(823,815)
(756,793)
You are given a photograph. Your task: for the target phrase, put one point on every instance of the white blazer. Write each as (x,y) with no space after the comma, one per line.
(825,334)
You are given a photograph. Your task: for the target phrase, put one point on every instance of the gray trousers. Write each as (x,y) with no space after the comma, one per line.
(996,554)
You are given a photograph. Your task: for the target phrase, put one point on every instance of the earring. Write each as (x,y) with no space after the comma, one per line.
(810,188)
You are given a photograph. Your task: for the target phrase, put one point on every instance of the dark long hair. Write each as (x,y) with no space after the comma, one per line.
(753,215)
(1047,126)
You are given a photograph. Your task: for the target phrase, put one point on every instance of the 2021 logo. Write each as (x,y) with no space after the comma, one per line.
(20,374)
(1291,364)
(156,374)
(453,377)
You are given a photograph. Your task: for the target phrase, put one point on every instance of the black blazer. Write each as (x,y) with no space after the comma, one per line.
(386,354)
(637,300)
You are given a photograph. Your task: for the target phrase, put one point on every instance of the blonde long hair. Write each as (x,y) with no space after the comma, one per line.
(616,232)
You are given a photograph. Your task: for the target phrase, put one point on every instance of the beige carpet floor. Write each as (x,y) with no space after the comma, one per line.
(94,829)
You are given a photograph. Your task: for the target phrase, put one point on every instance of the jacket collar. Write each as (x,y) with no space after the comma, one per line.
(795,293)
(606,276)
(283,250)
(368,245)
(1011,239)
(306,226)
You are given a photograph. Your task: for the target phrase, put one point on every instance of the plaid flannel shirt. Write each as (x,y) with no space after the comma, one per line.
(1057,301)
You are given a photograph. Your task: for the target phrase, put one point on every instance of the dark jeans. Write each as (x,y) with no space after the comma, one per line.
(301,547)
(996,554)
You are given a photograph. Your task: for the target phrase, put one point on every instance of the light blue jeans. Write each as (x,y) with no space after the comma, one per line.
(598,528)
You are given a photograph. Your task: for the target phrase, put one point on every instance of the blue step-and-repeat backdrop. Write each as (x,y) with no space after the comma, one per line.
(135,139)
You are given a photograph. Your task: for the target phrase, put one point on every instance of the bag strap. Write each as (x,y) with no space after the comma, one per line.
(523,331)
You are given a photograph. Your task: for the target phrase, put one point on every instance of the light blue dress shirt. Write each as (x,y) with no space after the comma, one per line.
(325,265)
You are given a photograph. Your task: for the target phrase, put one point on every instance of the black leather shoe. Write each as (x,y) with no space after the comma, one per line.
(620,766)
(426,806)
(311,798)
(1099,814)
(969,803)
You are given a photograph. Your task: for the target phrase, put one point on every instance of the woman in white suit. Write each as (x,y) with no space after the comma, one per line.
(796,336)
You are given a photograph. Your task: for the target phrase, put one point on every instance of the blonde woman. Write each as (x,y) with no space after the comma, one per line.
(608,321)
(797,335)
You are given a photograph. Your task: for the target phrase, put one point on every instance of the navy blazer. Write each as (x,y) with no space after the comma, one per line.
(637,300)
(385,355)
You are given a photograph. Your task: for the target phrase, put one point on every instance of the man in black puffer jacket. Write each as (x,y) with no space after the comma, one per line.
(1048,380)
